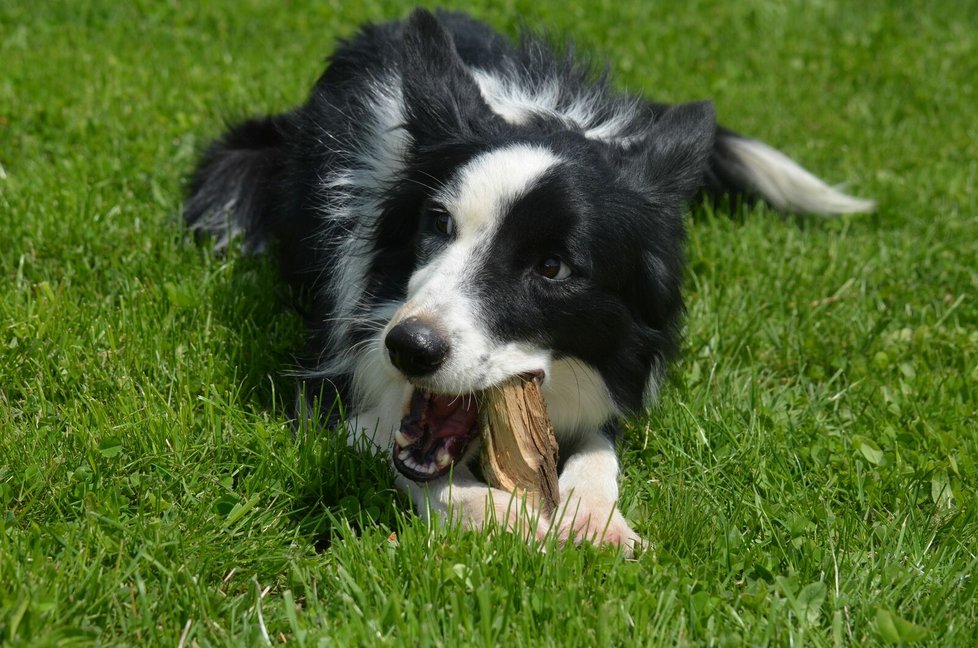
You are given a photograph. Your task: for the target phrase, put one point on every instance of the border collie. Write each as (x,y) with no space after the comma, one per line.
(460,210)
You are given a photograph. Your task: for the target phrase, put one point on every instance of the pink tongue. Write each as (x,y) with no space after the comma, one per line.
(449,416)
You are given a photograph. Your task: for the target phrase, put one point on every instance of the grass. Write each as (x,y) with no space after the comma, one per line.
(809,476)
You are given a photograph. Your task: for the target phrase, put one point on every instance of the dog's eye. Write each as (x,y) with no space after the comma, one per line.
(443,221)
(554,269)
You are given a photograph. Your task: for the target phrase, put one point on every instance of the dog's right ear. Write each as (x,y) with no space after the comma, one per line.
(442,100)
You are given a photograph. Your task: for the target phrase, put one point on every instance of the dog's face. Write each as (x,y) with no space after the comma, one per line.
(531,249)
(531,254)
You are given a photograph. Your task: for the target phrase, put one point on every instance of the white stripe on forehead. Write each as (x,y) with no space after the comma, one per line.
(488,184)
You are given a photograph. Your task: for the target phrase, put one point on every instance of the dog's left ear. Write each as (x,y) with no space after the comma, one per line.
(671,161)
(442,100)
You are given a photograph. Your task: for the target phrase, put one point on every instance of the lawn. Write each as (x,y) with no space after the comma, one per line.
(808,477)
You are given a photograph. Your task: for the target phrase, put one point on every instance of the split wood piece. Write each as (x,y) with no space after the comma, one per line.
(519,449)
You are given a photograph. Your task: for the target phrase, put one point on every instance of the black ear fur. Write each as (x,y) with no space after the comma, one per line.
(672,160)
(442,99)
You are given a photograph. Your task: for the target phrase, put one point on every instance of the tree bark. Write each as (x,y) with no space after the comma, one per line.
(519,450)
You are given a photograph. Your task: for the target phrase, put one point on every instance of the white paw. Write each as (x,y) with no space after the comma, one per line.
(494,509)
(597,523)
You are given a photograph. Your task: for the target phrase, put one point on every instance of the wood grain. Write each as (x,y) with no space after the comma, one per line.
(519,449)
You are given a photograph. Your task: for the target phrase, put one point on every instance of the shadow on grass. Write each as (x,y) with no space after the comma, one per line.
(257,308)
(334,485)
(339,487)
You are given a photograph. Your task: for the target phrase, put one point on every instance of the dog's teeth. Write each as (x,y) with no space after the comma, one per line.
(442,459)
(417,467)
(403,455)
(401,439)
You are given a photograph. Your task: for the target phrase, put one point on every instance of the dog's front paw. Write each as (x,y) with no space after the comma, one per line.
(597,523)
(494,509)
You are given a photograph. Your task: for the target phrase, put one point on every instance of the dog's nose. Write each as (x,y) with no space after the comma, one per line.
(416,348)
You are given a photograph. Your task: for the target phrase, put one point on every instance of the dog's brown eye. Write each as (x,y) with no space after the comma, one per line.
(554,269)
(443,222)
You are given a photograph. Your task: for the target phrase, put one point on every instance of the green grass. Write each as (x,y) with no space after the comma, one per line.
(809,476)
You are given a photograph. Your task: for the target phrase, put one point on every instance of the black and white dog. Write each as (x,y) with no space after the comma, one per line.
(462,210)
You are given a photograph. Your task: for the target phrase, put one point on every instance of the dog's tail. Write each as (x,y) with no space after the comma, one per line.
(232,192)
(746,167)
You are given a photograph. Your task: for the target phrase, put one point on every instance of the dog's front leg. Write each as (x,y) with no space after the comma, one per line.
(589,495)
(463,498)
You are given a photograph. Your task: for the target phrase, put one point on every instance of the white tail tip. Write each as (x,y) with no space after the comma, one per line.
(784,184)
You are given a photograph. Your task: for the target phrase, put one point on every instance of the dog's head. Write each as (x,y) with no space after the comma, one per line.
(532,246)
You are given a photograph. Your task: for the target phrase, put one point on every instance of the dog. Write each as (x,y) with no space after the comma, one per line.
(459,210)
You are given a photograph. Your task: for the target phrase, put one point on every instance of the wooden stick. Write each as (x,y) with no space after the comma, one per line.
(519,450)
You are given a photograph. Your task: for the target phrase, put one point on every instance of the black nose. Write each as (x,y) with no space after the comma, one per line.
(416,348)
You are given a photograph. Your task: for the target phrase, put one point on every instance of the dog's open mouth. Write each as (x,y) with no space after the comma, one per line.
(434,434)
